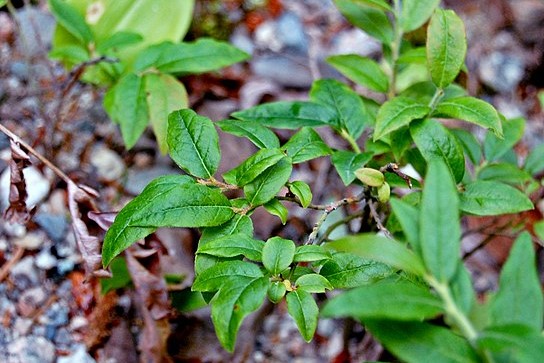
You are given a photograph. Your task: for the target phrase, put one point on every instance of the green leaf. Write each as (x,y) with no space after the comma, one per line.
(519,299)
(276,208)
(446,47)
(70,53)
(379,4)
(534,164)
(128,107)
(232,304)
(472,110)
(164,94)
(373,21)
(495,148)
(203,55)
(120,276)
(373,247)
(396,113)
(395,300)
(169,201)
(269,183)
(186,301)
(253,166)
(303,308)
(288,114)
(305,145)
(313,283)
(415,13)
(310,253)
(408,217)
(416,55)
(276,291)
(439,229)
(71,20)
(347,162)
(118,40)
(193,143)
(471,145)
(346,270)
(361,70)
(351,112)
(370,177)
(3,3)
(278,254)
(434,141)
(415,342)
(504,172)
(490,198)
(223,273)
(233,245)
(302,191)
(513,343)
(462,290)
(259,135)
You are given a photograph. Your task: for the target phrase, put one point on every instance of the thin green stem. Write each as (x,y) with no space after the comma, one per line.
(436,98)
(352,142)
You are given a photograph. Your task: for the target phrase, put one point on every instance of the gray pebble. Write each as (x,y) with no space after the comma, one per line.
(79,355)
(54,225)
(32,349)
(23,274)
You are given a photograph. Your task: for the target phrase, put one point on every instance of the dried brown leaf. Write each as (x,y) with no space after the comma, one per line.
(17,211)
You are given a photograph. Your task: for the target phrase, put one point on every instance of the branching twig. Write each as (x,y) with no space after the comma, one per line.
(394,168)
(338,223)
(212,182)
(378,220)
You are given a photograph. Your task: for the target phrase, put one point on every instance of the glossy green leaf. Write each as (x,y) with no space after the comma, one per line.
(439,230)
(519,299)
(276,291)
(504,172)
(395,300)
(259,135)
(305,145)
(310,253)
(373,247)
(347,162)
(351,112)
(472,110)
(373,21)
(276,208)
(223,273)
(534,164)
(471,146)
(269,183)
(278,254)
(370,177)
(313,283)
(164,94)
(118,40)
(495,148)
(434,141)
(288,114)
(67,16)
(396,113)
(193,143)
(203,55)
(513,343)
(446,47)
(490,198)
(169,201)
(415,13)
(302,191)
(415,342)
(233,245)
(346,270)
(361,70)
(408,217)
(255,165)
(303,308)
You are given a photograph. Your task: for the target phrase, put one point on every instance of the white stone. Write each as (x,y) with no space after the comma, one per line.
(37,186)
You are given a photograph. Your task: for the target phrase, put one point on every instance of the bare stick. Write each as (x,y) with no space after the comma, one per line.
(378,220)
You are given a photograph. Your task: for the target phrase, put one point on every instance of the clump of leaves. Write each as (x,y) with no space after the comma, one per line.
(411,270)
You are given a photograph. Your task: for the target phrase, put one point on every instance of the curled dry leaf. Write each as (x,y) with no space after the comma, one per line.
(17,211)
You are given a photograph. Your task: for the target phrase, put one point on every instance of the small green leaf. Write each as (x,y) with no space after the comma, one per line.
(384,192)
(408,217)
(346,270)
(370,177)
(276,208)
(361,70)
(219,275)
(253,166)
(396,113)
(395,300)
(310,253)
(439,230)
(303,308)
(259,135)
(446,47)
(534,164)
(514,343)
(71,20)
(269,183)
(434,141)
(305,145)
(72,53)
(120,276)
(471,146)
(276,291)
(313,283)
(381,249)
(302,191)
(373,21)
(416,55)
(519,299)
(504,172)
(490,198)
(472,110)
(495,148)
(347,162)
(193,143)
(118,40)
(288,114)
(379,4)
(233,245)
(462,290)
(278,254)
(415,13)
